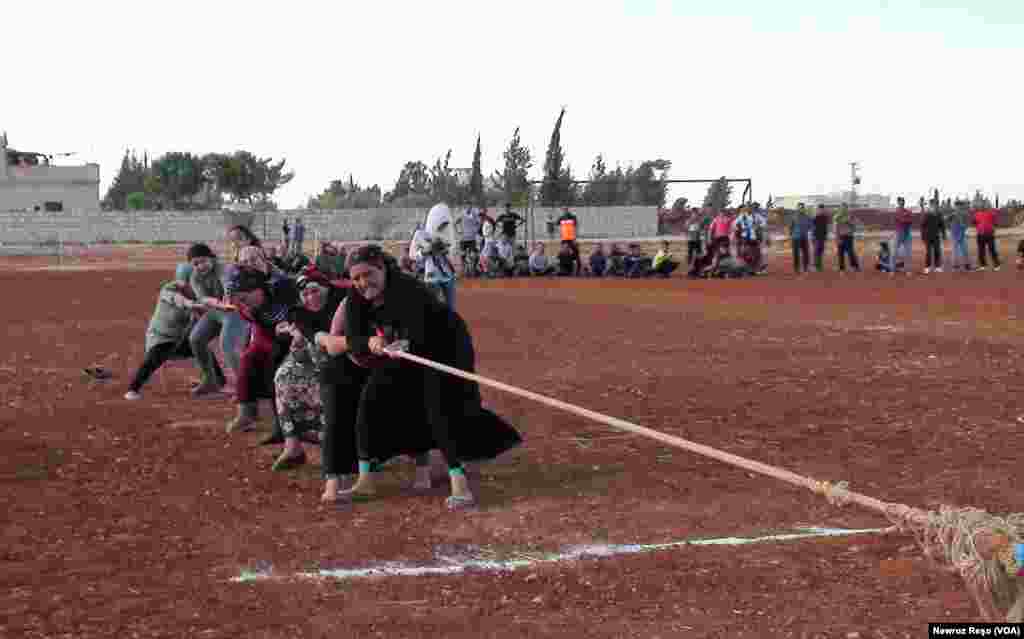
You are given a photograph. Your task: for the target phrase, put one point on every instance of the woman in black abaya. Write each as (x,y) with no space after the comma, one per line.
(398,407)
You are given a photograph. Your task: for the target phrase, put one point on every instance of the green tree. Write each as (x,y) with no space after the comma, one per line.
(719,194)
(476,177)
(136,201)
(129,179)
(514,181)
(180,177)
(556,188)
(413,179)
(647,183)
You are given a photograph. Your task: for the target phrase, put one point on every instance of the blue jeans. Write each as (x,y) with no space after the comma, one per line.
(234,338)
(901,252)
(959,234)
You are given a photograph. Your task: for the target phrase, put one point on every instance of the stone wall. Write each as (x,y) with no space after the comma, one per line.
(190,226)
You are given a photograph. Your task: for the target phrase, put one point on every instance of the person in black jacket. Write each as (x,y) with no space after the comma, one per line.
(933,233)
(399,407)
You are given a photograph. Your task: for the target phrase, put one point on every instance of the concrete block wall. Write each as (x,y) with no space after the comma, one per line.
(90,226)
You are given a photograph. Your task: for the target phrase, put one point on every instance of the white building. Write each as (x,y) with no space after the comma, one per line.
(864,200)
(29,181)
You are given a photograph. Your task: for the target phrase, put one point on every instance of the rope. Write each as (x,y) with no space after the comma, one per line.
(951,534)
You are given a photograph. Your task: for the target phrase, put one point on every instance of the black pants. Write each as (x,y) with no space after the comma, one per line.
(819,253)
(158,356)
(800,252)
(692,251)
(666,267)
(846,249)
(932,252)
(987,242)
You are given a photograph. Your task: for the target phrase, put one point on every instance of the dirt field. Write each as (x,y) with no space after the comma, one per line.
(133,519)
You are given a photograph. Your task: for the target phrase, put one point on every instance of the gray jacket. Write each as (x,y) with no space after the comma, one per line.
(172,317)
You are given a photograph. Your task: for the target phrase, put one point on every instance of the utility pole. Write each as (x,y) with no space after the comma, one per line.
(854,182)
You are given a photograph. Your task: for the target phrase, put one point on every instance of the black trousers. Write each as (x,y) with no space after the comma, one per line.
(801,257)
(987,243)
(932,252)
(846,249)
(692,251)
(158,356)
(819,253)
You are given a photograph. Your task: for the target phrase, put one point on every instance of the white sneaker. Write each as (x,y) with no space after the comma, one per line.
(938,269)
(981,268)
(927,271)
(997,268)
(132,396)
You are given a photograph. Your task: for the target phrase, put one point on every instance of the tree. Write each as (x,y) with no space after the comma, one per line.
(245,177)
(719,194)
(136,201)
(180,176)
(646,189)
(557,187)
(412,179)
(515,179)
(476,177)
(129,179)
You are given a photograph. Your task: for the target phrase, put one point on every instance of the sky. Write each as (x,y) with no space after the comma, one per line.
(922,93)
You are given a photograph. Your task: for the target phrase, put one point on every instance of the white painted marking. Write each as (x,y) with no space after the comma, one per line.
(458,564)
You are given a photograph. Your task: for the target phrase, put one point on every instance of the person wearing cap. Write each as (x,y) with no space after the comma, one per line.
(265,302)
(167,335)
(398,407)
(297,380)
(217,318)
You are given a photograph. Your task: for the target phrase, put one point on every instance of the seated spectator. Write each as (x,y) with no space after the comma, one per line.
(598,261)
(702,264)
(616,261)
(884,261)
(566,260)
(275,258)
(1020,255)
(329,261)
(663,263)
(506,254)
(491,263)
(521,261)
(539,264)
(636,263)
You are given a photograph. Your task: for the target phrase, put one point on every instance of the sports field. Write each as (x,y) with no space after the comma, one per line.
(146,519)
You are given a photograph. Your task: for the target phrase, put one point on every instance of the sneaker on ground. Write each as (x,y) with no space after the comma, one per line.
(132,395)
(997,268)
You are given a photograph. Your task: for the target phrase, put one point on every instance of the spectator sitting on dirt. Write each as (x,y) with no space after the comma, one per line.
(884,262)
(507,257)
(663,264)
(598,261)
(521,261)
(539,264)
(275,257)
(490,259)
(637,264)
(169,327)
(566,260)
(701,266)
(616,261)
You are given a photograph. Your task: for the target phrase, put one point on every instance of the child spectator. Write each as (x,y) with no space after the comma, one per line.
(822,220)
(958,219)
(521,261)
(693,231)
(904,223)
(663,263)
(539,264)
(845,238)
(598,261)
(885,262)
(637,264)
(616,261)
(799,226)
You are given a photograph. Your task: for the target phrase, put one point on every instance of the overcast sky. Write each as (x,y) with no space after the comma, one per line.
(922,92)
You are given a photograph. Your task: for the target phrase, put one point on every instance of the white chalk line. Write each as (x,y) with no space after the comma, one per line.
(454,564)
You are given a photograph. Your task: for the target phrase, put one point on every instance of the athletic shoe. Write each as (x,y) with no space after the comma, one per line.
(997,268)
(927,271)
(938,269)
(460,502)
(981,268)
(133,395)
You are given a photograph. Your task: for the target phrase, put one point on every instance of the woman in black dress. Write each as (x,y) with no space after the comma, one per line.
(398,407)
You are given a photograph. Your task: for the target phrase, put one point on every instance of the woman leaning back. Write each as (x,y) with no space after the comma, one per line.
(398,407)
(168,332)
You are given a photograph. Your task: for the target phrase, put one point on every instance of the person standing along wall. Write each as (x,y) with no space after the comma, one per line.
(958,220)
(569,225)
(904,222)
(985,225)
(299,238)
(799,227)
(933,234)
(822,220)
(845,238)
(286,233)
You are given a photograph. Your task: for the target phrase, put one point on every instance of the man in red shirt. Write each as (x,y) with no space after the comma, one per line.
(904,237)
(985,225)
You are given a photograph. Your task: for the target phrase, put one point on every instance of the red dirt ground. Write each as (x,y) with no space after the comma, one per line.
(129,519)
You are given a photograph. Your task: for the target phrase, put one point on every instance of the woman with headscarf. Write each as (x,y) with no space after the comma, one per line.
(297,381)
(402,408)
(264,301)
(217,318)
(432,247)
(167,335)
